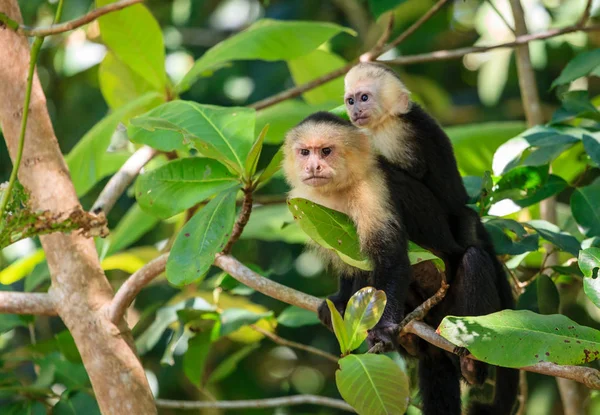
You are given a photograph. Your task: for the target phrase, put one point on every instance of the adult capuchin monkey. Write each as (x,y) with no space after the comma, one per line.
(330,162)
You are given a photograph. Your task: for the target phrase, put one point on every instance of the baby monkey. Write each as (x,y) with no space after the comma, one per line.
(329,161)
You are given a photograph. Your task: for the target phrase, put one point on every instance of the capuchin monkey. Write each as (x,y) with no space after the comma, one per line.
(330,162)
(411,140)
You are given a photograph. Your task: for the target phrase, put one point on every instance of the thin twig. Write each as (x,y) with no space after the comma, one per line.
(586,13)
(241,221)
(117,185)
(39,304)
(413,28)
(35,49)
(421,311)
(500,15)
(67,26)
(295,345)
(442,55)
(133,285)
(256,403)
(376,50)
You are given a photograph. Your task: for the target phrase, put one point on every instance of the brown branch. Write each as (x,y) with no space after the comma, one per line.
(256,403)
(67,26)
(586,13)
(295,345)
(376,50)
(241,221)
(413,28)
(443,55)
(117,184)
(421,311)
(39,304)
(134,284)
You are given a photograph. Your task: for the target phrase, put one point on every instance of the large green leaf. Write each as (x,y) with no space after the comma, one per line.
(589,262)
(268,40)
(131,227)
(373,384)
(556,236)
(378,7)
(581,65)
(197,352)
(294,316)
(522,338)
(89,161)
(134,36)
(274,223)
(200,239)
(363,311)
(330,229)
(417,254)
(584,205)
(308,67)
(119,84)
(592,147)
(553,185)
(225,134)
(180,184)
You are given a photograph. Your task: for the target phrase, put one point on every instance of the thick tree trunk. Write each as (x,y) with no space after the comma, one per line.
(80,289)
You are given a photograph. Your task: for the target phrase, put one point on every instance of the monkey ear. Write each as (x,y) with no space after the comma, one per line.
(402,104)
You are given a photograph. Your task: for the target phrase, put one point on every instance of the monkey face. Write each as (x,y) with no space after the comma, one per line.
(361,104)
(315,162)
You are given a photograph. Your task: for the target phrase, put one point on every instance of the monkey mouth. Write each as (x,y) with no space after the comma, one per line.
(316,181)
(362,120)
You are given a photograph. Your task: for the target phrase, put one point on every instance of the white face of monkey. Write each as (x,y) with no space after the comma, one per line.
(372,94)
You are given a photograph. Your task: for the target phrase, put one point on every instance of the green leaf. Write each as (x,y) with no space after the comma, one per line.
(592,147)
(373,384)
(378,7)
(339,328)
(180,184)
(522,338)
(67,346)
(225,134)
(76,403)
(556,236)
(200,239)
(134,36)
(417,254)
(330,229)
(233,319)
(523,178)
(294,316)
(89,161)
(268,40)
(131,227)
(553,186)
(363,311)
(340,111)
(547,294)
(254,154)
(575,104)
(581,65)
(309,67)
(504,244)
(119,84)
(273,223)
(273,167)
(584,205)
(10,321)
(589,262)
(549,138)
(196,354)
(21,267)
(228,366)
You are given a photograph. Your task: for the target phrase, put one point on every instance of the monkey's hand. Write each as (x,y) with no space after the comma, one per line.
(386,334)
(325,314)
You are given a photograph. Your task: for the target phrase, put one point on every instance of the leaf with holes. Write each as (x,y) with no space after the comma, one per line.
(417,254)
(330,229)
(373,384)
(363,311)
(224,134)
(180,184)
(584,206)
(268,40)
(200,239)
(589,262)
(521,338)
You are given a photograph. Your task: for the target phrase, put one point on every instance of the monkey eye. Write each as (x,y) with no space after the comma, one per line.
(364,98)
(351,101)
(304,152)
(326,151)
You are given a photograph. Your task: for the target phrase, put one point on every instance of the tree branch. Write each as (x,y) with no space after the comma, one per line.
(133,285)
(39,304)
(117,184)
(241,221)
(67,26)
(586,13)
(256,403)
(295,345)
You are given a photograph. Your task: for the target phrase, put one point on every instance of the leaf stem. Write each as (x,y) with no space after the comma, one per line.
(35,49)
